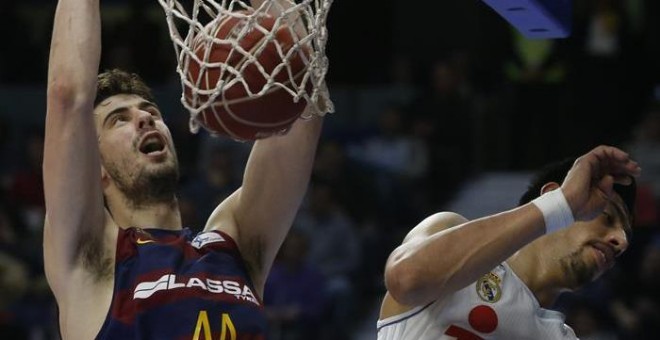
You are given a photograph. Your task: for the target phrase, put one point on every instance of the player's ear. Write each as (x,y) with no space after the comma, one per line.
(105,178)
(547,187)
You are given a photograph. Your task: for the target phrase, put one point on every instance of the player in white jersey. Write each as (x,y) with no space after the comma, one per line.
(494,277)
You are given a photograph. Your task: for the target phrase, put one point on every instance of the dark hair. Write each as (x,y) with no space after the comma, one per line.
(556,172)
(116,81)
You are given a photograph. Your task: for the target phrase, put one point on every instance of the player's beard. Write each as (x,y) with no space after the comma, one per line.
(576,270)
(147,186)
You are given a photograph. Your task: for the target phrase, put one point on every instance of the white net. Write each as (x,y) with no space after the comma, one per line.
(215,45)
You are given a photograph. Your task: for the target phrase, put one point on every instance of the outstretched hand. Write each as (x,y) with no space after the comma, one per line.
(588,186)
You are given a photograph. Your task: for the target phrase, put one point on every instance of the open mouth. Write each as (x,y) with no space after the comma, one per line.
(152,144)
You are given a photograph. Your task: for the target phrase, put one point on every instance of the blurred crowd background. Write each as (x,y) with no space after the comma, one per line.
(440,104)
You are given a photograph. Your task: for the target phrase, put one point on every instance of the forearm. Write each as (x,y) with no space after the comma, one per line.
(75,52)
(424,270)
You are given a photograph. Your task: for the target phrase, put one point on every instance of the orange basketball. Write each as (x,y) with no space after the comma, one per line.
(234,113)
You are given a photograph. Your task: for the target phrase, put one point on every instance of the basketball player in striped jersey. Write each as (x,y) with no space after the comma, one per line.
(117,258)
(495,277)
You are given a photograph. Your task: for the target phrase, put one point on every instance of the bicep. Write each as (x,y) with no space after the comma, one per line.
(72,179)
(434,224)
(275,181)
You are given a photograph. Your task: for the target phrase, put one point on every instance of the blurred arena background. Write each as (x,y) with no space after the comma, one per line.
(440,105)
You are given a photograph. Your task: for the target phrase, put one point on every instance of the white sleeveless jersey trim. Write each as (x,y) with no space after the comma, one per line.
(400,317)
(497,306)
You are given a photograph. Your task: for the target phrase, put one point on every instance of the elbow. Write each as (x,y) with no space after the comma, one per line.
(61,91)
(65,95)
(409,284)
(400,284)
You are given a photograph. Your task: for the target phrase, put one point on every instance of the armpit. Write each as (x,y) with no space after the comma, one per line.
(95,257)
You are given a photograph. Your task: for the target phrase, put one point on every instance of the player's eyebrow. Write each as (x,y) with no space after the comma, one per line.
(622,214)
(145,104)
(142,105)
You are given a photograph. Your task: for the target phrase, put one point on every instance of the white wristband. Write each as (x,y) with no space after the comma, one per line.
(556,211)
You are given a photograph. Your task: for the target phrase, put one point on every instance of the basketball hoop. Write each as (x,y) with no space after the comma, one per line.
(196,22)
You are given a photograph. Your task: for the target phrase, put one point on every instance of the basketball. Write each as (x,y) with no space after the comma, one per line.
(234,112)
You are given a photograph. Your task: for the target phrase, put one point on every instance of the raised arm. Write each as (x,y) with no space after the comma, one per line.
(260,214)
(445,253)
(72,177)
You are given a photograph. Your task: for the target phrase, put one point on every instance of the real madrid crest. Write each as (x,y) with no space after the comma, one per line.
(489,288)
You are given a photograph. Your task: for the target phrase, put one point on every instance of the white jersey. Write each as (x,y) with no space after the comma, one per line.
(497,306)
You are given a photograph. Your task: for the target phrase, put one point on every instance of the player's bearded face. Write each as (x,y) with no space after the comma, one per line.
(137,151)
(144,184)
(589,248)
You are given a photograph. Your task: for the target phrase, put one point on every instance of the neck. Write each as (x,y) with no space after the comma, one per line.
(540,272)
(163,215)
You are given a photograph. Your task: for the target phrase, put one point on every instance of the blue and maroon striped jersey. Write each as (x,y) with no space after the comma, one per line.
(171,285)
